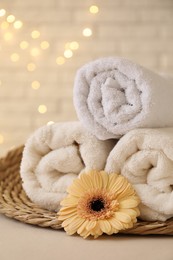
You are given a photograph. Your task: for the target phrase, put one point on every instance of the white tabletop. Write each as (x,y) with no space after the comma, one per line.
(20,241)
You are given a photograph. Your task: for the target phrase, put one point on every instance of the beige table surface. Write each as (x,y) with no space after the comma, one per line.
(20,241)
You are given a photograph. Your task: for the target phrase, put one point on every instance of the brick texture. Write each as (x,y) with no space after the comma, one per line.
(141,30)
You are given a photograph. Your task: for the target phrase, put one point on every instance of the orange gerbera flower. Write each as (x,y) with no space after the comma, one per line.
(99,203)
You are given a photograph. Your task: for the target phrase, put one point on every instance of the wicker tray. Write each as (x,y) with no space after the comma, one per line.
(15,204)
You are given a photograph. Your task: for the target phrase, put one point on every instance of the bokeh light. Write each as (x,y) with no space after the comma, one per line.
(35,34)
(60,60)
(74,45)
(42,109)
(44,45)
(87,32)
(94,9)
(50,123)
(31,66)
(35,84)
(10,18)
(14,57)
(35,52)
(17,25)
(24,45)
(68,53)
(2,12)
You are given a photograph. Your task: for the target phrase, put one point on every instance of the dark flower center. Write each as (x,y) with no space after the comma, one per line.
(97,205)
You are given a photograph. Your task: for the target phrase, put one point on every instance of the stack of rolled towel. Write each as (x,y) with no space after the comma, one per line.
(126,127)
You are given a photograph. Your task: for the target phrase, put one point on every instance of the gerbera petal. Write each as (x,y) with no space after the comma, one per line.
(63,217)
(97,180)
(132,213)
(128,225)
(112,180)
(127,191)
(105,179)
(86,180)
(77,222)
(69,201)
(137,211)
(73,226)
(126,188)
(114,205)
(85,233)
(118,187)
(69,231)
(75,190)
(116,223)
(83,185)
(97,230)
(112,231)
(95,235)
(91,224)
(66,211)
(67,221)
(123,217)
(129,203)
(115,231)
(82,227)
(105,226)
(134,220)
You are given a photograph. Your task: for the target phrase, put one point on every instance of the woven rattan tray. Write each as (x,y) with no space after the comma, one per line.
(15,204)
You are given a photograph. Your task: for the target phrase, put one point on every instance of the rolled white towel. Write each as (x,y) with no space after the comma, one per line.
(54,155)
(145,158)
(115,95)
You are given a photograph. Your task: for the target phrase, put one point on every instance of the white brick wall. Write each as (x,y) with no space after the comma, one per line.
(141,30)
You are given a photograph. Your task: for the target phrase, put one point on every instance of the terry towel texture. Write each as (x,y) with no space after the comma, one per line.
(145,157)
(54,155)
(115,95)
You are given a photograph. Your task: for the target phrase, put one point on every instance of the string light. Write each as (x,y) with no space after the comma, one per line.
(2,12)
(35,34)
(14,57)
(68,54)
(31,66)
(87,32)
(35,52)
(42,109)
(69,47)
(24,45)
(94,9)
(44,45)
(60,60)
(10,18)
(8,36)
(1,139)
(4,25)
(17,25)
(35,84)
(50,123)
